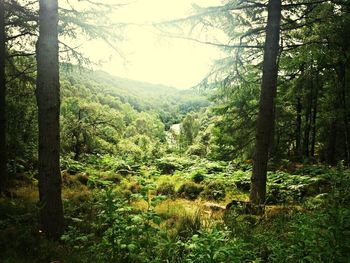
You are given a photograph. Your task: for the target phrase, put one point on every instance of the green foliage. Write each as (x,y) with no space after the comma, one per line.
(122,235)
(188,225)
(320,235)
(21,116)
(214,190)
(217,246)
(71,166)
(284,187)
(242,180)
(190,190)
(188,130)
(167,189)
(198,176)
(169,164)
(106,225)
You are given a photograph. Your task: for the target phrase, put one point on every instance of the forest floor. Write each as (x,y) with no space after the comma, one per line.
(174,211)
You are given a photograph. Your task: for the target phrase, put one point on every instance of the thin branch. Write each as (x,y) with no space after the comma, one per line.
(20,35)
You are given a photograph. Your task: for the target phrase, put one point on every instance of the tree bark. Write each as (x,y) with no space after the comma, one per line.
(342,95)
(266,116)
(314,117)
(298,123)
(332,141)
(48,99)
(307,129)
(3,150)
(346,123)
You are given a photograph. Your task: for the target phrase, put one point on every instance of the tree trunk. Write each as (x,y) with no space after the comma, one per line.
(314,117)
(48,99)
(332,141)
(344,109)
(346,125)
(3,150)
(307,129)
(266,118)
(298,124)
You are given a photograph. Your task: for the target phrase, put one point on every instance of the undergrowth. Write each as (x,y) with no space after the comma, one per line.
(308,219)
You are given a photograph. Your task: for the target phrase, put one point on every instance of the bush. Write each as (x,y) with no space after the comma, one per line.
(170,164)
(215,167)
(197,149)
(71,166)
(242,180)
(167,166)
(190,190)
(198,176)
(214,190)
(112,177)
(166,188)
(216,245)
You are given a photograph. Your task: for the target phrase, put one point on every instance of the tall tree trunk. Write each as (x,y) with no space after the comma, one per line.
(342,83)
(298,123)
(266,117)
(314,116)
(332,141)
(48,99)
(346,125)
(307,129)
(3,150)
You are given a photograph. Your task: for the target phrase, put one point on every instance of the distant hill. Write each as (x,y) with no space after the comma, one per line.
(169,103)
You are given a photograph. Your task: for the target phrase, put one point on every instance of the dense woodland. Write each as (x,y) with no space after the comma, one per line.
(251,165)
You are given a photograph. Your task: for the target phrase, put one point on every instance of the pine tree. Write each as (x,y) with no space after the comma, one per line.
(266,117)
(3,151)
(48,99)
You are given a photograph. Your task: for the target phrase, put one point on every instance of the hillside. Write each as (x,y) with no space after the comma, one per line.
(170,103)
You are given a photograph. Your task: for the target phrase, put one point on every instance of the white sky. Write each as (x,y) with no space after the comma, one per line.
(151,58)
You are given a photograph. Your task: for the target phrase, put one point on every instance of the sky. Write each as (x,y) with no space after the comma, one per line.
(153,58)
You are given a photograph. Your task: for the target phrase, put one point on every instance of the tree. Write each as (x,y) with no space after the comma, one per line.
(3,151)
(265,123)
(48,99)
(189,130)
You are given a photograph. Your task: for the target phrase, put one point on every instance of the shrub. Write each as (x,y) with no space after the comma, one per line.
(112,177)
(214,190)
(197,149)
(215,167)
(216,245)
(71,166)
(83,178)
(166,188)
(242,180)
(190,190)
(168,166)
(198,176)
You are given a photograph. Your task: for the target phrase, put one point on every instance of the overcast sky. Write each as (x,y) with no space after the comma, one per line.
(155,59)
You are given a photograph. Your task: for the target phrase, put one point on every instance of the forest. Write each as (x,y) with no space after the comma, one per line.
(252,164)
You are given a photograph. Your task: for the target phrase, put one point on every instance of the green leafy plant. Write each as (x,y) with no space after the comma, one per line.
(214,190)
